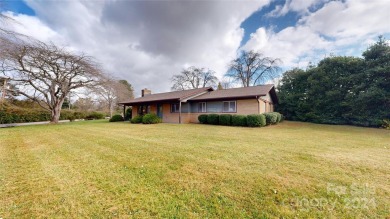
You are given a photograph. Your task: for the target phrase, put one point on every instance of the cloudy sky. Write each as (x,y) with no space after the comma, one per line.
(146,42)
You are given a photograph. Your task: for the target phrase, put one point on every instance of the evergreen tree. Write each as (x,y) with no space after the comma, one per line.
(340,90)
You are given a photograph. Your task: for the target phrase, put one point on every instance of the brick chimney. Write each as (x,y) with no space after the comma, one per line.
(145,92)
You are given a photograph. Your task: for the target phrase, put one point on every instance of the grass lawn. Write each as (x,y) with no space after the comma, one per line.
(100,169)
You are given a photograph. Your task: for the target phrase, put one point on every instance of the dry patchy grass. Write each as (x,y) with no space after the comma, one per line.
(100,169)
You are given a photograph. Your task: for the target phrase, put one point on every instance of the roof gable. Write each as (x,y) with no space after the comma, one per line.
(242,92)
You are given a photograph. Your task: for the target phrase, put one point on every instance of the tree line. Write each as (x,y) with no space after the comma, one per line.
(340,90)
(250,68)
(47,74)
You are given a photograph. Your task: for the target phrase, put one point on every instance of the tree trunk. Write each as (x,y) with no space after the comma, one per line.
(56,111)
(55,114)
(110,108)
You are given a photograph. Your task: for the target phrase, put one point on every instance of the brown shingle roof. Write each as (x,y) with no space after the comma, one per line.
(168,96)
(241,92)
(233,93)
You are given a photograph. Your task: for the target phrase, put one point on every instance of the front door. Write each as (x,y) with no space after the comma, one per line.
(159,110)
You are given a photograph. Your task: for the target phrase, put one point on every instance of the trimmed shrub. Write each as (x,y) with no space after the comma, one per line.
(14,114)
(202,118)
(213,119)
(256,120)
(150,118)
(136,119)
(116,118)
(239,120)
(279,117)
(225,119)
(271,118)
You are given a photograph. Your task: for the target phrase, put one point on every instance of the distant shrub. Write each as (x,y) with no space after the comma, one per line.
(94,115)
(225,119)
(71,118)
(19,115)
(213,119)
(136,119)
(151,118)
(202,118)
(14,114)
(239,120)
(271,118)
(116,118)
(386,124)
(79,114)
(256,120)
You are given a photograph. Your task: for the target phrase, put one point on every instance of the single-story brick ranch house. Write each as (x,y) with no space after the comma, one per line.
(185,106)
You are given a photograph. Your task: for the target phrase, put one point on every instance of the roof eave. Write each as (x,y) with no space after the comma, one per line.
(148,101)
(229,98)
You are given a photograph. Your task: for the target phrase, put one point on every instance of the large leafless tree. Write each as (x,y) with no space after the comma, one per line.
(194,77)
(252,68)
(46,73)
(113,91)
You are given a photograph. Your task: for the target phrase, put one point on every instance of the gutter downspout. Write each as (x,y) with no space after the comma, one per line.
(258,104)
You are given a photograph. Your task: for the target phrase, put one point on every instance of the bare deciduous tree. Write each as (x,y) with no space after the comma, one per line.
(193,77)
(113,91)
(46,73)
(85,104)
(252,68)
(126,92)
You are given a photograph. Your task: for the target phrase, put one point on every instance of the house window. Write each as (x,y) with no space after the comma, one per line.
(202,107)
(143,109)
(229,106)
(175,108)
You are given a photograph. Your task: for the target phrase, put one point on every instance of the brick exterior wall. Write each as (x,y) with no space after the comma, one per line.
(244,107)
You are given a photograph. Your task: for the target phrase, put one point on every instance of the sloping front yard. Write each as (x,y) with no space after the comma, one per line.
(101,169)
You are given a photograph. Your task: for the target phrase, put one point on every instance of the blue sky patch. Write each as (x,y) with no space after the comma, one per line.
(260,19)
(18,6)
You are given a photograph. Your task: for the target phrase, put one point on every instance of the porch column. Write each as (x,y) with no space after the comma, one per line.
(124,111)
(179,112)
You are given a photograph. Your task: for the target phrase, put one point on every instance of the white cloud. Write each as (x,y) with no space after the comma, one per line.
(353,18)
(146,42)
(30,26)
(339,28)
(293,45)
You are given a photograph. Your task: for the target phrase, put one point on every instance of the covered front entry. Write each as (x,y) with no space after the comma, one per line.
(160,110)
